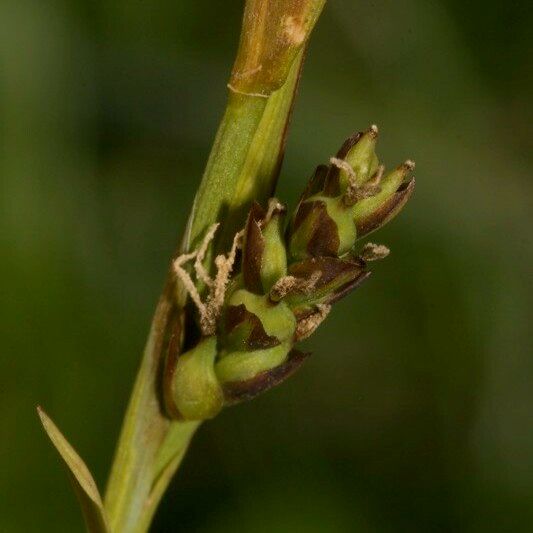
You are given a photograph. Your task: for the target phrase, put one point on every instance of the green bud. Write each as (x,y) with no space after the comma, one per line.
(359,157)
(322,226)
(242,366)
(194,386)
(247,389)
(355,173)
(253,322)
(274,264)
(362,158)
(264,258)
(257,339)
(373,212)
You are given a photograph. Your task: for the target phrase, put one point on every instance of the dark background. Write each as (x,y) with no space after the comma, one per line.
(415,412)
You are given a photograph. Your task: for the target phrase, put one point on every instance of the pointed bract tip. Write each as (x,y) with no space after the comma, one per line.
(373,130)
(41,412)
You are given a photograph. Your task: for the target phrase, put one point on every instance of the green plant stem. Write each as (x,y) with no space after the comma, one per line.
(242,167)
(246,155)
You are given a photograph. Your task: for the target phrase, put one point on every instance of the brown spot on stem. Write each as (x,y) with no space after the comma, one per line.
(293,29)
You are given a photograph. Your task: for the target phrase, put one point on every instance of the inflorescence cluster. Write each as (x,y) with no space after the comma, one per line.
(292,270)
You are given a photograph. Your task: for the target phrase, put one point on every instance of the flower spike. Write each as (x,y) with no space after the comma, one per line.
(289,279)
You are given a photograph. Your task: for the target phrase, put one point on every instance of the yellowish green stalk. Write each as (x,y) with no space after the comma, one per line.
(243,166)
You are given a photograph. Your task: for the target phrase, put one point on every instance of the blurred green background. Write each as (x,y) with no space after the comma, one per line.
(414,414)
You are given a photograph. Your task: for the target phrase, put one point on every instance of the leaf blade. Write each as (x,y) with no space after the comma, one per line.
(81,478)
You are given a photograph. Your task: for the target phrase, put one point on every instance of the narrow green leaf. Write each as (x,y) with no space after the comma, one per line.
(82,480)
(168,459)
